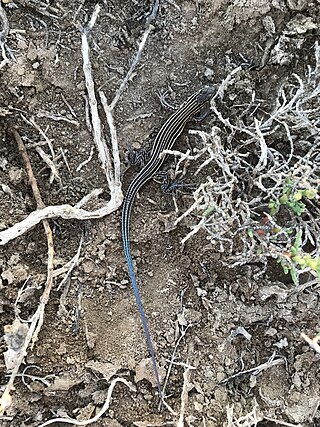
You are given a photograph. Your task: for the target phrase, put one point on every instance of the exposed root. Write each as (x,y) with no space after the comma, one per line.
(3,36)
(99,414)
(21,332)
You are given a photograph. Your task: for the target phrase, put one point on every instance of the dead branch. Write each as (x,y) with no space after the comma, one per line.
(114,140)
(248,176)
(108,109)
(137,57)
(184,395)
(62,211)
(68,267)
(31,333)
(99,140)
(173,356)
(3,36)
(110,164)
(99,414)
(280,422)
(54,171)
(257,369)
(45,157)
(313,342)
(250,419)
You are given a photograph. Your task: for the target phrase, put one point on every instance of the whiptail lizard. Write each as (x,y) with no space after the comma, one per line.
(165,139)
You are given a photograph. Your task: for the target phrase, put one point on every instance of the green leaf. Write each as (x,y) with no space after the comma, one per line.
(298,239)
(297,207)
(312,263)
(250,232)
(273,206)
(310,193)
(284,199)
(208,211)
(294,277)
(297,196)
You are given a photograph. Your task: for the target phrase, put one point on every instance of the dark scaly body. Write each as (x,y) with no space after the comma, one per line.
(165,139)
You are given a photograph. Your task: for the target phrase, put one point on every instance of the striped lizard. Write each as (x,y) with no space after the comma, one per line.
(164,140)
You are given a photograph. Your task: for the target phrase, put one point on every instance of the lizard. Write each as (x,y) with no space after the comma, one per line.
(164,140)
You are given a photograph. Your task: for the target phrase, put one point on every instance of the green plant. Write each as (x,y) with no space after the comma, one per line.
(292,197)
(297,259)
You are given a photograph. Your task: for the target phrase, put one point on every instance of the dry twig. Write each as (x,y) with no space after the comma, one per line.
(110,163)
(257,369)
(247,174)
(99,414)
(3,36)
(31,334)
(103,151)
(250,419)
(313,342)
(281,423)
(184,395)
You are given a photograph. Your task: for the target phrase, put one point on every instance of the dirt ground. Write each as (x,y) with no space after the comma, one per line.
(220,321)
